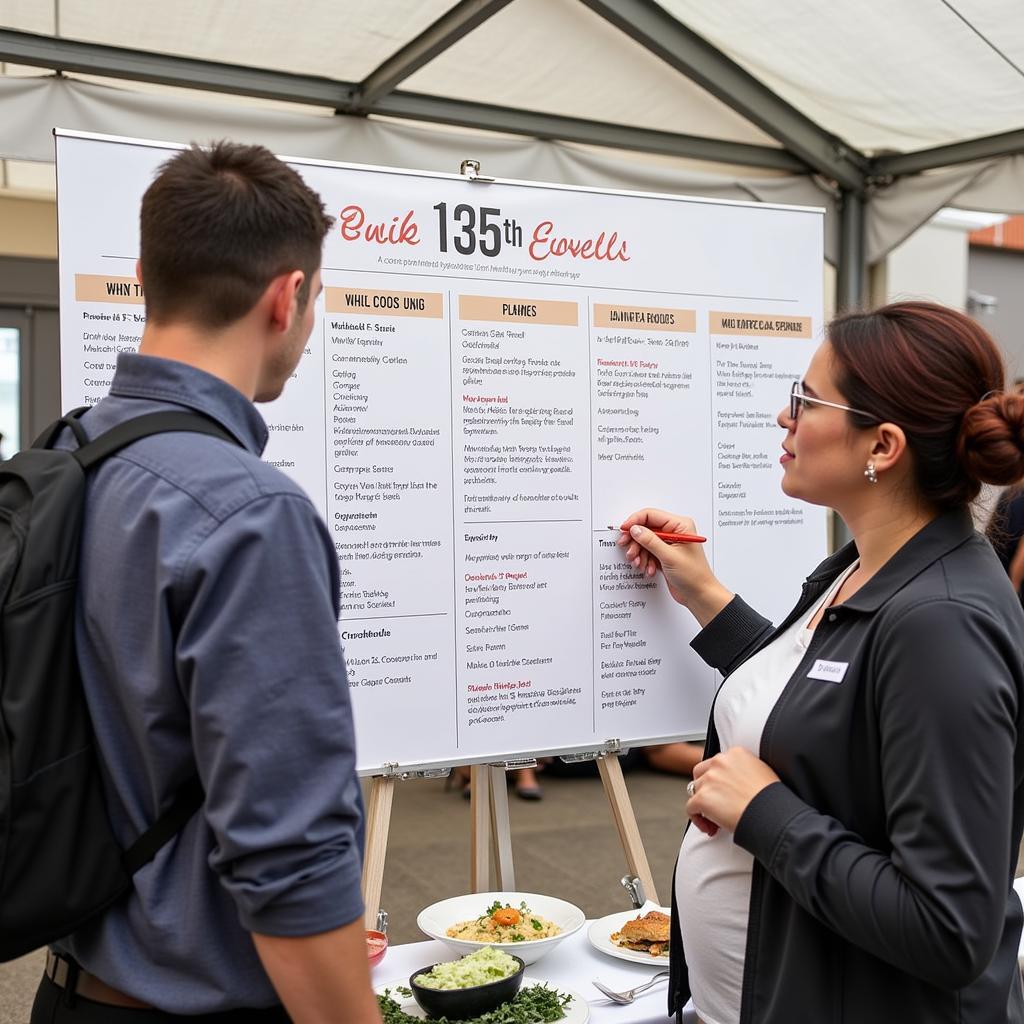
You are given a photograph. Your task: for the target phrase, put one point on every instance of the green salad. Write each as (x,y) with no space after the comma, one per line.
(537,1004)
(480,968)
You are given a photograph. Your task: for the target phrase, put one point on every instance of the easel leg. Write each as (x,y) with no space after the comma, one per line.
(378,823)
(625,821)
(501,831)
(480,811)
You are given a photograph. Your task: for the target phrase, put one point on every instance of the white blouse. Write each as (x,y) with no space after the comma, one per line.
(713,874)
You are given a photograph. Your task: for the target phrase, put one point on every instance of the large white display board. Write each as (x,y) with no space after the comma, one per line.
(497,372)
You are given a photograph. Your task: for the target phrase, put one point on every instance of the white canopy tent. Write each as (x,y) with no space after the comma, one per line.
(882,112)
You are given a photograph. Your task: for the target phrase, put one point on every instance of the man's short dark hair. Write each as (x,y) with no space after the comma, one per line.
(218,225)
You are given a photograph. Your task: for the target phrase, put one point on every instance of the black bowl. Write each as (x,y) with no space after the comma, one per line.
(460,1003)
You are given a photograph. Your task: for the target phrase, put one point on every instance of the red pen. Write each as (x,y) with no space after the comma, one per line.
(668,538)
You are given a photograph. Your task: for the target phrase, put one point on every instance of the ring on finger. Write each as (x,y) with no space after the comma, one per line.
(691,788)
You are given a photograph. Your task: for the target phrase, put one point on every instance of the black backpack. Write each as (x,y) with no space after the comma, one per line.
(60,865)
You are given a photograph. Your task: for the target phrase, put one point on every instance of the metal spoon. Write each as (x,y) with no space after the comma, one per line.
(625,998)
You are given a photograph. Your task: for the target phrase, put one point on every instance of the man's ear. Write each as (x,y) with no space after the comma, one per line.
(283,295)
(138,272)
(890,446)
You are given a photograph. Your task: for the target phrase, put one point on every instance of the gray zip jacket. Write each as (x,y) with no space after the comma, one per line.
(884,858)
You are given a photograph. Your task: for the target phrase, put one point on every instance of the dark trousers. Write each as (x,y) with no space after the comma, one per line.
(50,1008)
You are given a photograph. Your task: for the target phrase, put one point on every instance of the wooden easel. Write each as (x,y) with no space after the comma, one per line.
(492,832)
(491,836)
(378,824)
(625,821)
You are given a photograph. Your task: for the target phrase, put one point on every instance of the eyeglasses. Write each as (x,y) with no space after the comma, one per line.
(797,400)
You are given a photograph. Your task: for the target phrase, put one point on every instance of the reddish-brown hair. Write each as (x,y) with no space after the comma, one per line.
(939,375)
(218,225)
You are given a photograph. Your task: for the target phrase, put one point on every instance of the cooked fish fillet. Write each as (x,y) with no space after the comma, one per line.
(652,927)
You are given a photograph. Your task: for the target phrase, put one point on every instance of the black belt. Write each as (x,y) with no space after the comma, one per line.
(66,973)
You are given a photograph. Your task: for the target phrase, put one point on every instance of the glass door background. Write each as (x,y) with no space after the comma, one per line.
(10,388)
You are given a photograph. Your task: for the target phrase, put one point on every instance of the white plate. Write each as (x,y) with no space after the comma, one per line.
(436,919)
(600,935)
(577,1012)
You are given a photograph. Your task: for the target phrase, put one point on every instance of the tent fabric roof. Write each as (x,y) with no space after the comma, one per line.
(883,76)
(318,37)
(863,79)
(592,71)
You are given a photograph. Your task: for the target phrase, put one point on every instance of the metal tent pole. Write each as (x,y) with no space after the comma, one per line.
(851,278)
(851,287)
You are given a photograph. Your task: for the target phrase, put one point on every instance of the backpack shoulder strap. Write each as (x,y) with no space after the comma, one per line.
(187,801)
(189,797)
(143,426)
(48,438)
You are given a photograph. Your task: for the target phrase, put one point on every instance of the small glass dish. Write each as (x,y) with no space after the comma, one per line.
(376,946)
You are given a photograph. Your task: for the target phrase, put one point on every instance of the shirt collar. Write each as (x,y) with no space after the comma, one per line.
(944,533)
(167,380)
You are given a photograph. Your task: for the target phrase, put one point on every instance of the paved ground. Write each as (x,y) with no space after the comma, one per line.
(566,845)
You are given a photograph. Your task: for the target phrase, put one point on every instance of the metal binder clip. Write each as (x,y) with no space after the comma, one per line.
(635,889)
(382,922)
(470,169)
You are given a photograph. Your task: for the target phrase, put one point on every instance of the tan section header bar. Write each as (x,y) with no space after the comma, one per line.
(645,318)
(100,288)
(519,311)
(760,325)
(370,302)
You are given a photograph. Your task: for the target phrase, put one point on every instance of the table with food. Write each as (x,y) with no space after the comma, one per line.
(525,958)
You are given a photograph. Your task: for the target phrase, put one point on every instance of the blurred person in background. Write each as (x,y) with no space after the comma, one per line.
(1006,526)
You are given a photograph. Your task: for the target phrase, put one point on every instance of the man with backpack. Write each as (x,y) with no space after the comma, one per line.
(206,638)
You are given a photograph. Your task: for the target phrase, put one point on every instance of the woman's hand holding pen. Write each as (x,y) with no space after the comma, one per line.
(685,567)
(723,787)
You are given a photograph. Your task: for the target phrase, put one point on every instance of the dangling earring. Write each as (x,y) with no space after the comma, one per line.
(871,474)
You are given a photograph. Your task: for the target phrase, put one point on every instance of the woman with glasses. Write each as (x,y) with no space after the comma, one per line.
(859,806)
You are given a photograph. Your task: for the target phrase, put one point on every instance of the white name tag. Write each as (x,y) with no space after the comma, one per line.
(830,671)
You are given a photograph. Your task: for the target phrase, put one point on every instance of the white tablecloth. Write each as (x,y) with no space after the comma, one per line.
(574,964)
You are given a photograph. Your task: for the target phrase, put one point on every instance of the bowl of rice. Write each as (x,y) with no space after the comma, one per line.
(475,984)
(524,924)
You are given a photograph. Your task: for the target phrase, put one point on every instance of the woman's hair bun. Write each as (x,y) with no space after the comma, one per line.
(991,443)
(937,374)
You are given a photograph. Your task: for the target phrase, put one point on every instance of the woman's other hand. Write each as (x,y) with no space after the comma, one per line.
(723,787)
(685,567)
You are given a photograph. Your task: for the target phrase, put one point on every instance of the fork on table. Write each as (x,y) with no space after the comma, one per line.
(625,998)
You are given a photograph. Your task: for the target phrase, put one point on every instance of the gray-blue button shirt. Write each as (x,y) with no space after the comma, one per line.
(207,635)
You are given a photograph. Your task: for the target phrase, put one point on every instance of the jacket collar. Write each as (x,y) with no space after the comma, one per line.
(943,534)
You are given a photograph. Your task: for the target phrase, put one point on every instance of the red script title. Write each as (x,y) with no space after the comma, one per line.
(547,243)
(398,231)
